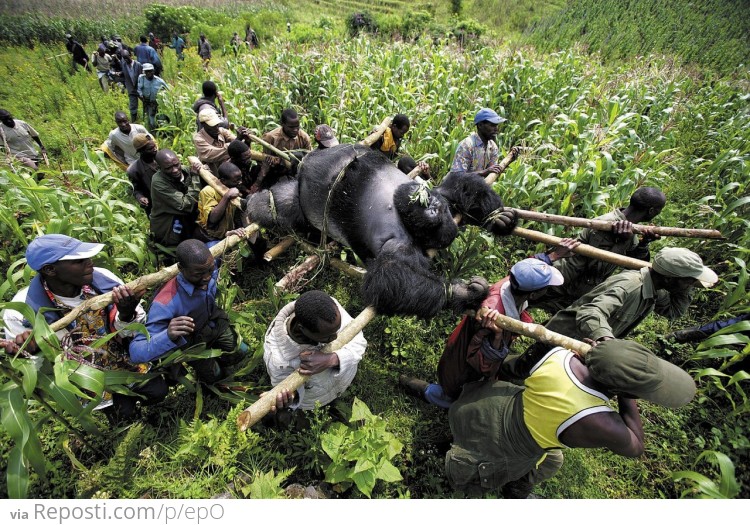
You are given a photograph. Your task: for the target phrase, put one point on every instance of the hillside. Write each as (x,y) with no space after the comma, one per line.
(712,33)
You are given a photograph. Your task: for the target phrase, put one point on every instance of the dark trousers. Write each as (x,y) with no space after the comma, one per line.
(150,107)
(220,336)
(125,407)
(133,103)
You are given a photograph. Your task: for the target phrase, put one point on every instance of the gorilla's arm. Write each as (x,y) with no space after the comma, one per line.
(399,282)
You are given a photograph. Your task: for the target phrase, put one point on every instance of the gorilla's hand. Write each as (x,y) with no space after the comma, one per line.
(468,295)
(502,221)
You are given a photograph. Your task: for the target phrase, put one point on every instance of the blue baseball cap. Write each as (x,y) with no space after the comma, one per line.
(488,114)
(533,274)
(53,247)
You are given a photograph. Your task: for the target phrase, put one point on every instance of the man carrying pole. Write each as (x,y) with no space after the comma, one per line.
(583,273)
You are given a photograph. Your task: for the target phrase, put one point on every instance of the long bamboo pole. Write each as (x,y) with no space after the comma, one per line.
(510,157)
(214,182)
(595,224)
(539,333)
(283,154)
(144,282)
(262,406)
(373,137)
(584,249)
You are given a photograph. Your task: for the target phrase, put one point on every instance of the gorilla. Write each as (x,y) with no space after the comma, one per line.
(356,196)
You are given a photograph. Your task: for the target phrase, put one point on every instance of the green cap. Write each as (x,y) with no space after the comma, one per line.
(629,368)
(681,262)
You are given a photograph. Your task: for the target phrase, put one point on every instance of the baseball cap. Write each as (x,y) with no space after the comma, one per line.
(68,35)
(629,368)
(208,116)
(681,262)
(140,140)
(488,114)
(53,247)
(533,274)
(148,67)
(325,136)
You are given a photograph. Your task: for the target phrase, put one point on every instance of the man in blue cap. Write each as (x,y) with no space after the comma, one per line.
(478,153)
(477,347)
(66,277)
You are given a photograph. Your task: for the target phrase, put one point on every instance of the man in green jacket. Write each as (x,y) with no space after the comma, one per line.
(508,437)
(174,196)
(615,307)
(583,273)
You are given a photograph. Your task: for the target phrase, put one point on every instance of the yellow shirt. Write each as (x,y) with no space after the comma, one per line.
(208,199)
(389,146)
(554,399)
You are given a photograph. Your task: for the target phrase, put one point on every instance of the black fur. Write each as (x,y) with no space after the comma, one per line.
(370,208)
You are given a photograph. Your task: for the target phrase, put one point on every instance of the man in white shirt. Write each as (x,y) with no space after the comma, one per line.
(119,145)
(294,340)
(20,141)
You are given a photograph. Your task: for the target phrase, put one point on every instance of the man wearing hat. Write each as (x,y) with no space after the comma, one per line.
(141,172)
(477,347)
(211,99)
(149,86)
(478,153)
(615,307)
(325,137)
(211,141)
(509,438)
(119,145)
(65,278)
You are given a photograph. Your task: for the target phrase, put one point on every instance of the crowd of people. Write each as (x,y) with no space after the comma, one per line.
(510,415)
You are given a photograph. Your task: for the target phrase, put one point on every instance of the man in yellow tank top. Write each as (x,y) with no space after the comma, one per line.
(509,437)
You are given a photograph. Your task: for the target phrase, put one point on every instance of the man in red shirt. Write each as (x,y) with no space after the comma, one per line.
(477,348)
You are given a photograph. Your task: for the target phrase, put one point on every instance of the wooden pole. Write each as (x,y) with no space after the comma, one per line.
(262,406)
(293,276)
(214,182)
(510,157)
(539,333)
(595,224)
(145,282)
(338,264)
(373,137)
(283,154)
(277,250)
(584,249)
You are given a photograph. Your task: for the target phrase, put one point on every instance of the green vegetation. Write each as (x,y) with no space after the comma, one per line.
(592,131)
(713,33)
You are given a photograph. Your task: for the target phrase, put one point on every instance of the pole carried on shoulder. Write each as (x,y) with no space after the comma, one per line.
(292,382)
(539,333)
(596,224)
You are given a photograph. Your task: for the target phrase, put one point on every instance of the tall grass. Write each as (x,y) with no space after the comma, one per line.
(593,133)
(712,33)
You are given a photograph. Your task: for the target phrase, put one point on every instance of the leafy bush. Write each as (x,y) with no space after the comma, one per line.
(360,455)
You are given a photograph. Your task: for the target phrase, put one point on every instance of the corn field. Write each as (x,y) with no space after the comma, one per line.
(590,134)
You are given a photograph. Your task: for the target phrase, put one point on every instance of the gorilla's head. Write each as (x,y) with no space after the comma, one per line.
(425,215)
